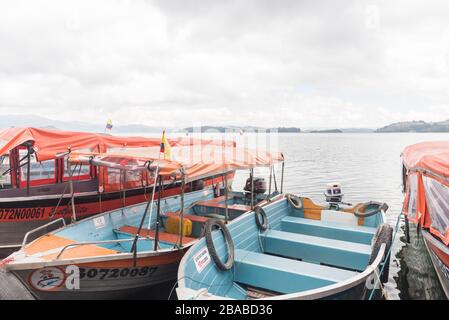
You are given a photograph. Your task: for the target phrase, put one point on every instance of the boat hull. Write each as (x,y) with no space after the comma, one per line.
(105,280)
(260,258)
(17,217)
(439,253)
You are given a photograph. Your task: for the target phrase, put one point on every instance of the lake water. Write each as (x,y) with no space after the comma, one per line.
(369,168)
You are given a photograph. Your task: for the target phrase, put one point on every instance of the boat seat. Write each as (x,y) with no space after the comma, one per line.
(163,236)
(191,217)
(325,229)
(282,274)
(314,249)
(236,207)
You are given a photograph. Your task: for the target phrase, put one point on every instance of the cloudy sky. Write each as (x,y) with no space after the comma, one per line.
(268,63)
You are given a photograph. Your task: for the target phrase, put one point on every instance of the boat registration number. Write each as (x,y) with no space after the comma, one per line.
(102,274)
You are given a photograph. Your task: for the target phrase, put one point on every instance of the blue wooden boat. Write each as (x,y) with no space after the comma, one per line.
(134,249)
(291,248)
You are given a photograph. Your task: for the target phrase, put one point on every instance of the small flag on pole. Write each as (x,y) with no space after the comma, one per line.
(165,147)
(109,124)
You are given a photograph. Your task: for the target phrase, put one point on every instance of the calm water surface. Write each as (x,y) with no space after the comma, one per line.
(369,168)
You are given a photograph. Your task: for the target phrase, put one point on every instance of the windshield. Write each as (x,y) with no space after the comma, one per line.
(5,178)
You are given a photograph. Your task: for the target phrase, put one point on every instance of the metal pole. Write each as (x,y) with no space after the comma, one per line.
(159,195)
(72,191)
(149,204)
(28,168)
(156,175)
(282,177)
(124,190)
(181,215)
(252,188)
(225,181)
(269,184)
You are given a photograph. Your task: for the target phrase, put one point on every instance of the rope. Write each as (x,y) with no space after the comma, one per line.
(386,257)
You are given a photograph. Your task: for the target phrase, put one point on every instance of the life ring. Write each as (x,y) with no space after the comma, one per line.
(294,200)
(210,224)
(384,234)
(259,211)
(379,207)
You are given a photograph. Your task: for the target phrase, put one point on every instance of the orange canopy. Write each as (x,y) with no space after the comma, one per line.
(48,143)
(430,156)
(125,162)
(427,186)
(198,161)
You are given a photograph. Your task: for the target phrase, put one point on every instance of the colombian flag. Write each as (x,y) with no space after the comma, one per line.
(165,147)
(109,124)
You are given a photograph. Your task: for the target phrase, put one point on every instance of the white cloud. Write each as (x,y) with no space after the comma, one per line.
(271,63)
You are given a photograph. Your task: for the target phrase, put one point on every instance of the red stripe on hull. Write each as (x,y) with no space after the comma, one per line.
(84,210)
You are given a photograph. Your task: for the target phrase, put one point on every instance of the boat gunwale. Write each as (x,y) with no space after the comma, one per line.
(317,293)
(15,265)
(428,236)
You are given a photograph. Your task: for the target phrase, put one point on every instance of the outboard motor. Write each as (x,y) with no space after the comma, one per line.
(333,194)
(260,186)
(197,185)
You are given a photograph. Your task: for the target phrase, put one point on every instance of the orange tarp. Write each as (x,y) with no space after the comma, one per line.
(47,143)
(426,159)
(198,161)
(431,156)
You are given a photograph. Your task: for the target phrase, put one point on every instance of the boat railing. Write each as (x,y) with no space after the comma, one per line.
(25,238)
(77,244)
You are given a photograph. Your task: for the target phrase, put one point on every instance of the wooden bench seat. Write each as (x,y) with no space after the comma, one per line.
(337,253)
(282,274)
(163,236)
(237,207)
(331,230)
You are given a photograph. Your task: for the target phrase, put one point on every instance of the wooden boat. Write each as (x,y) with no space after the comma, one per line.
(34,180)
(290,248)
(426,202)
(120,252)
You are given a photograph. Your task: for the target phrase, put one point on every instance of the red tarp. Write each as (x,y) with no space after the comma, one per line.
(427,194)
(47,143)
(197,161)
(432,156)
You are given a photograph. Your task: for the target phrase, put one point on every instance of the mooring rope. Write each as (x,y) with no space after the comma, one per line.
(386,257)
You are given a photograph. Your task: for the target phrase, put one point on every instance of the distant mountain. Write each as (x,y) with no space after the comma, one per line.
(7,121)
(288,129)
(223,129)
(416,126)
(327,131)
(340,130)
(357,130)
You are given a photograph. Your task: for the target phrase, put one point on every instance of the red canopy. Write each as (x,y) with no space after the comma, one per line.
(47,143)
(427,181)
(198,161)
(431,156)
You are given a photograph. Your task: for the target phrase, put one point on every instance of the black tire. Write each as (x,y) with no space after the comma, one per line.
(295,201)
(259,211)
(381,206)
(209,226)
(384,234)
